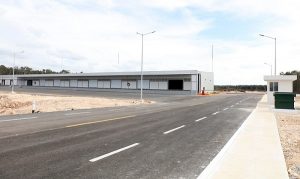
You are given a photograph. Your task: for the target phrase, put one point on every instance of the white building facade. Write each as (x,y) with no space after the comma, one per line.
(177,82)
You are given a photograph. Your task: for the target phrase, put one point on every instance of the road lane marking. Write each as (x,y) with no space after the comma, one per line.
(172,130)
(17,119)
(236,103)
(214,164)
(115,109)
(112,153)
(231,106)
(200,119)
(93,122)
(225,109)
(215,113)
(75,113)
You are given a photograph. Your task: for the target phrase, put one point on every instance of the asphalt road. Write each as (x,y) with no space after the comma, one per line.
(175,139)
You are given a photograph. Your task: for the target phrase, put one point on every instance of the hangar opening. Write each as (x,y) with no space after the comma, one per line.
(29,82)
(175,84)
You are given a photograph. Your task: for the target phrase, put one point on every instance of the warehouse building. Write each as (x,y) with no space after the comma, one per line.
(174,82)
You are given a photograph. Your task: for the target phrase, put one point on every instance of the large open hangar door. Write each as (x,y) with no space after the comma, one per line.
(29,82)
(175,84)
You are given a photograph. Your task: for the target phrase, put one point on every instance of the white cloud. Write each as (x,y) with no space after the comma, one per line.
(87,36)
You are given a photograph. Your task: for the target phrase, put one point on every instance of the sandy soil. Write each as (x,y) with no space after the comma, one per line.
(289,130)
(19,103)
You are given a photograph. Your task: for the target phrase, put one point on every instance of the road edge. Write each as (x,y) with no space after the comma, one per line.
(216,162)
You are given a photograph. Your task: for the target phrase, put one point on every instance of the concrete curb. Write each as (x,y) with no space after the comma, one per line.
(258,133)
(216,162)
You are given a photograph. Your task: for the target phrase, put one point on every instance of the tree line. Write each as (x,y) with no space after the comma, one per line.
(241,88)
(27,70)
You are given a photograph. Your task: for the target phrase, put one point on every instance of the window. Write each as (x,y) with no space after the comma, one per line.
(275,85)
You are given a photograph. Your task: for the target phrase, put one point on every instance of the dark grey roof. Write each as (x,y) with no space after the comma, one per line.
(179,72)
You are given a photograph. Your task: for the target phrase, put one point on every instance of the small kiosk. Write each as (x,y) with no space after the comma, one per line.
(278,83)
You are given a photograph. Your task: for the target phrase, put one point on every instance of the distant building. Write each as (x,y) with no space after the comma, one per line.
(173,82)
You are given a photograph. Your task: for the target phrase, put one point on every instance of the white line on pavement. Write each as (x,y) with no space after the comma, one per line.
(112,153)
(18,119)
(236,103)
(215,113)
(200,119)
(225,109)
(172,130)
(75,113)
(231,106)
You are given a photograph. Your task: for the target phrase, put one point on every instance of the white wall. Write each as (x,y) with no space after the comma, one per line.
(285,86)
(106,84)
(93,83)
(128,84)
(64,83)
(187,85)
(73,83)
(146,84)
(56,82)
(49,83)
(153,84)
(36,83)
(163,85)
(207,81)
(194,82)
(103,84)
(116,84)
(82,83)
(42,82)
(159,85)
(7,82)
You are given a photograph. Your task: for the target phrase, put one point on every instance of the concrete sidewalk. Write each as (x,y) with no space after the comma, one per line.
(253,152)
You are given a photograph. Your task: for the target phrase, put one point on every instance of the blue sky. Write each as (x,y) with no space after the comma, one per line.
(81,35)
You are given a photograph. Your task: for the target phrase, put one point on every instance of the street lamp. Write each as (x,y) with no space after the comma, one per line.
(14,55)
(269,66)
(271,74)
(274,38)
(143,34)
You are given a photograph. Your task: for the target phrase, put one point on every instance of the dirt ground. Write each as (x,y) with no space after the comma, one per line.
(289,130)
(19,103)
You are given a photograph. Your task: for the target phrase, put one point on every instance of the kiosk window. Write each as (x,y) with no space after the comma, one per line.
(274,85)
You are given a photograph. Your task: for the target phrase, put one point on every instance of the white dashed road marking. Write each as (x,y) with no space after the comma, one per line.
(200,119)
(172,130)
(215,113)
(112,153)
(18,119)
(70,114)
(225,109)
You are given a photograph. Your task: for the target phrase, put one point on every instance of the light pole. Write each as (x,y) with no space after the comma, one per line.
(271,74)
(269,66)
(13,81)
(212,58)
(274,38)
(142,35)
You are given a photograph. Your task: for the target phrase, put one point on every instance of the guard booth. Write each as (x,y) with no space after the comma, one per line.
(278,83)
